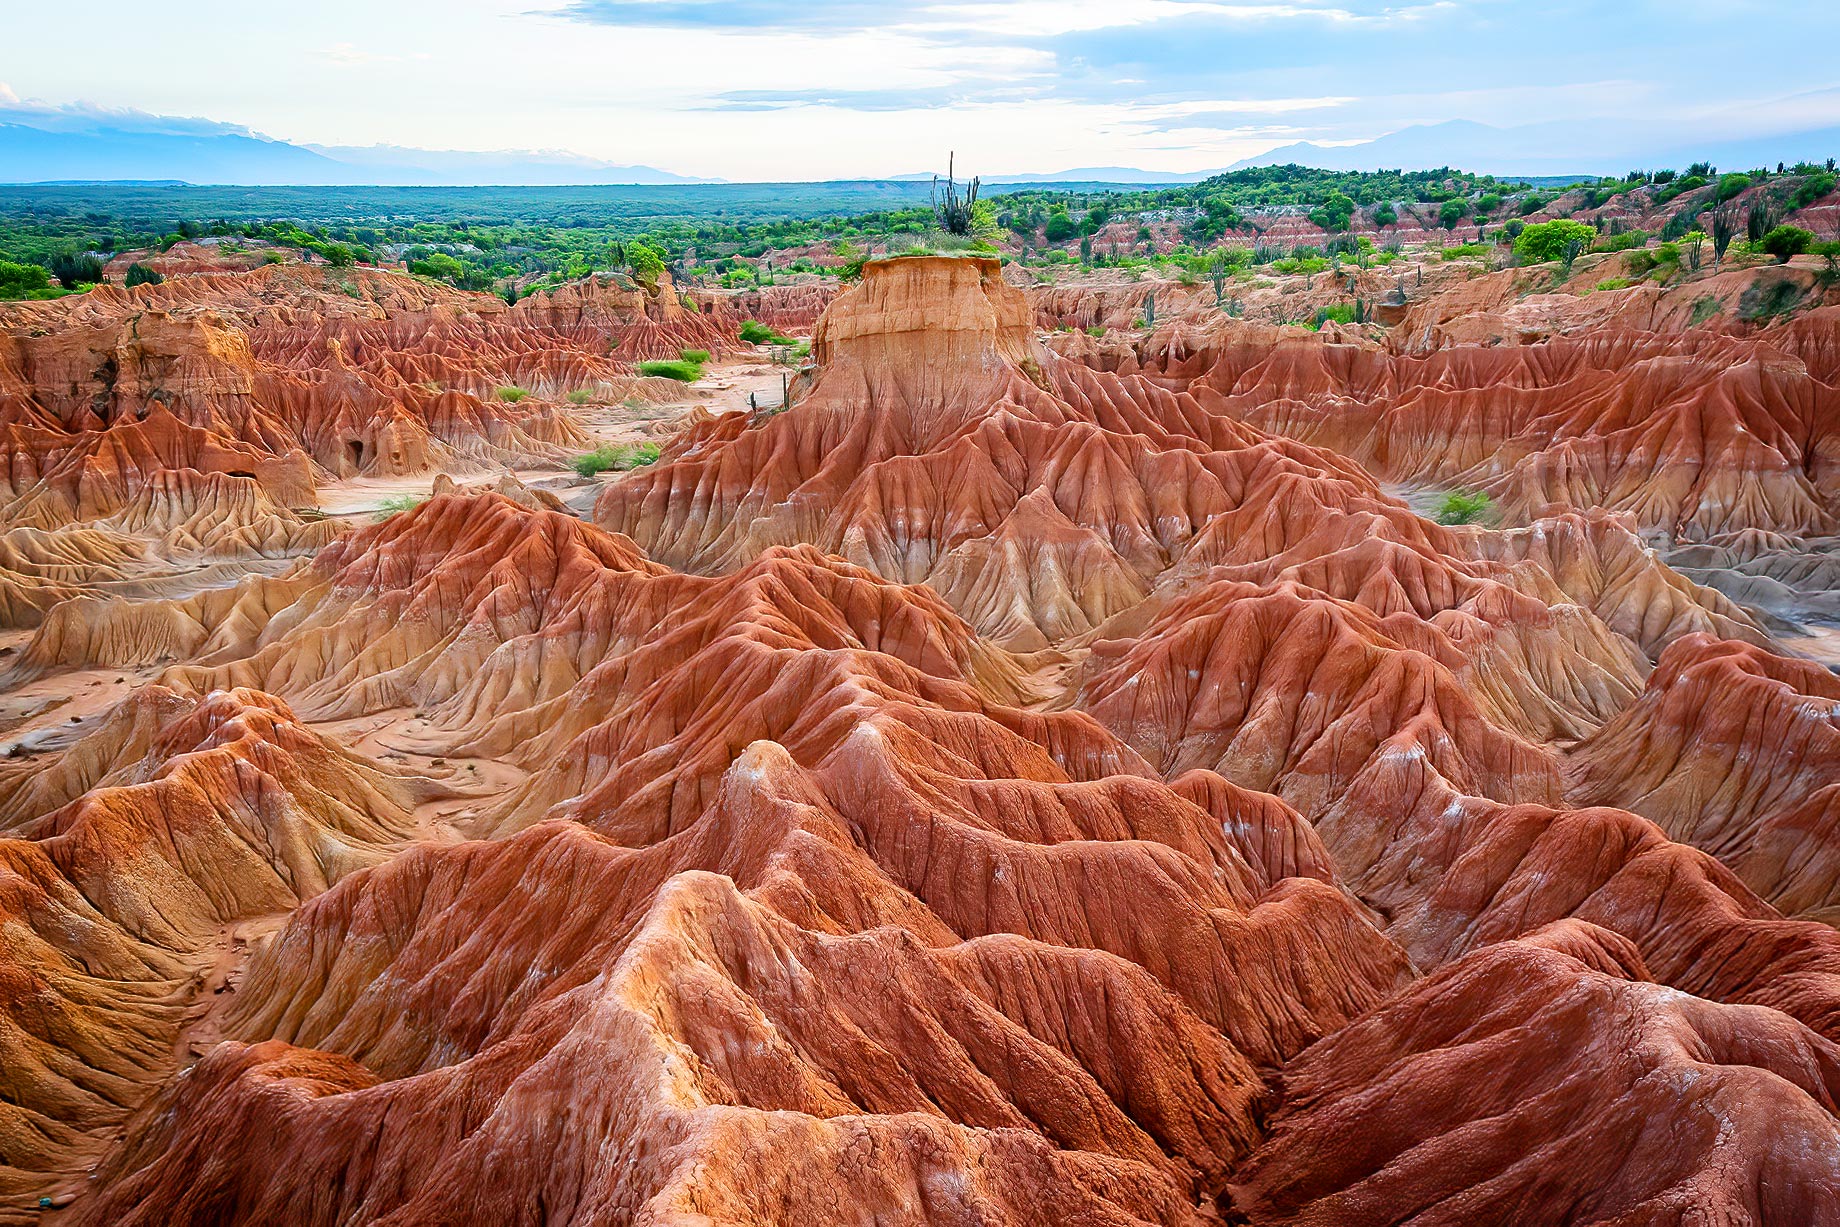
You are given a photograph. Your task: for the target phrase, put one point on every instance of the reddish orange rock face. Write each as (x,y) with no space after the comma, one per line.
(1018,784)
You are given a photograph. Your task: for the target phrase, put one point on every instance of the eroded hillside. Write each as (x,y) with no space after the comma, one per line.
(1030,778)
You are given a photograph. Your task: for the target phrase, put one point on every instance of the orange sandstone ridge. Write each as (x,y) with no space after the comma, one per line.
(1019,783)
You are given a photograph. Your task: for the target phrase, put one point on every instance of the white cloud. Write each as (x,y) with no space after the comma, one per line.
(1014,85)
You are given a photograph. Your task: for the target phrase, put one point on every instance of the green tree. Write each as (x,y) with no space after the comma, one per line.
(1812,189)
(1546,241)
(74,268)
(21,280)
(646,263)
(984,220)
(1452,212)
(1830,252)
(439,265)
(1785,242)
(140,274)
(1335,212)
(1060,227)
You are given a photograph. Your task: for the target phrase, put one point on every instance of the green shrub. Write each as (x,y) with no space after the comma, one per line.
(1452,212)
(1732,185)
(1386,215)
(672,368)
(1546,241)
(74,268)
(1812,189)
(1340,313)
(1465,507)
(1614,283)
(1627,241)
(1785,242)
(1704,309)
(698,356)
(22,280)
(1642,263)
(756,333)
(1467,251)
(1097,330)
(399,502)
(140,274)
(580,396)
(512,395)
(1830,252)
(616,458)
(1680,187)
(438,265)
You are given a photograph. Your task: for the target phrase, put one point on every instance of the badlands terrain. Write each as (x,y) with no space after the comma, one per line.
(1054,769)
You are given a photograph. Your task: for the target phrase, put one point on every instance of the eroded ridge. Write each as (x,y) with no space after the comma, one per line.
(1011,785)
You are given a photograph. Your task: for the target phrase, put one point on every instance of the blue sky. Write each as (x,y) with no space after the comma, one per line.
(750,89)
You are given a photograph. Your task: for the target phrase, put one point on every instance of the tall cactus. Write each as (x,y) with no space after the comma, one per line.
(953,210)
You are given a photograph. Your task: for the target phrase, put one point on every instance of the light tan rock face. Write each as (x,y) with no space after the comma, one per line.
(1014,785)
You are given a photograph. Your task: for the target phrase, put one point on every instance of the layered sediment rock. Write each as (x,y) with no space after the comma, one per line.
(1023,786)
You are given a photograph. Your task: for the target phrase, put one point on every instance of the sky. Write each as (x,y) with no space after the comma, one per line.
(809,89)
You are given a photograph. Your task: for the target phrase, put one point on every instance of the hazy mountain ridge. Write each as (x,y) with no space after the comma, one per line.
(43,147)
(1526,150)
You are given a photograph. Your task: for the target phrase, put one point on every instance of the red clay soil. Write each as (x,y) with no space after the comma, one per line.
(1013,785)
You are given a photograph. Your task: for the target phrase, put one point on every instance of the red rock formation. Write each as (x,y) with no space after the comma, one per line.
(526,632)
(286,372)
(1010,780)
(633,323)
(207,255)
(793,307)
(1635,1104)
(1734,750)
(1693,432)
(120,857)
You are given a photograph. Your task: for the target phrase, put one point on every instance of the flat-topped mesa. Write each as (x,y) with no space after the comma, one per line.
(929,331)
(938,303)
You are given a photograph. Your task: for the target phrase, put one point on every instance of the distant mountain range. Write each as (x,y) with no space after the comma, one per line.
(1523,151)
(1588,149)
(40,145)
(1106,174)
(393,165)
